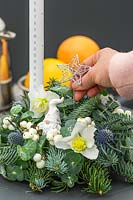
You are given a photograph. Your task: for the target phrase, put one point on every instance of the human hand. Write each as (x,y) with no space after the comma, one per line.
(97,78)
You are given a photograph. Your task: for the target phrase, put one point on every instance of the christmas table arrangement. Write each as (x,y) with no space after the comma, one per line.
(51,141)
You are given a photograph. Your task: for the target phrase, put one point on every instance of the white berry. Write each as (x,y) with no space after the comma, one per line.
(23,124)
(37,157)
(88,120)
(93,123)
(50,136)
(35,137)
(58,138)
(26,135)
(55,132)
(40,164)
(29,124)
(33,131)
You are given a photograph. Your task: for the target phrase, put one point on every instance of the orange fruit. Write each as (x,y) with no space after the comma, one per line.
(4,65)
(50,71)
(79,44)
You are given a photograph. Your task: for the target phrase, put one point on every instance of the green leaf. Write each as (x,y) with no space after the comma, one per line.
(22,164)
(27,151)
(66,103)
(67,130)
(62,90)
(40,144)
(74,161)
(69,179)
(104,92)
(27,115)
(16,109)
(14,173)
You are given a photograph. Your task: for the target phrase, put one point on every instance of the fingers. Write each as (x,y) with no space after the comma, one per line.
(79,95)
(90,93)
(94,91)
(88,81)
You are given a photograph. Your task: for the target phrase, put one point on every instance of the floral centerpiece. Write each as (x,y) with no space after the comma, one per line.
(50,140)
(59,143)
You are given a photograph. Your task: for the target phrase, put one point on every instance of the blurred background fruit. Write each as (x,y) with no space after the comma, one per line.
(79,44)
(4,62)
(50,71)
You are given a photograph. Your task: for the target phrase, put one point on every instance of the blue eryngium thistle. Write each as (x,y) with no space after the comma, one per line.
(15,138)
(103,136)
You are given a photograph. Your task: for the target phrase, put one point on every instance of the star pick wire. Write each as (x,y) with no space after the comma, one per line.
(73,71)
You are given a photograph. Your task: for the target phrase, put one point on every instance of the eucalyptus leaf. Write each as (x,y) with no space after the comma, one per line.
(67,129)
(74,161)
(65,132)
(63,90)
(40,144)
(15,173)
(27,115)
(69,179)
(27,151)
(16,109)
(67,103)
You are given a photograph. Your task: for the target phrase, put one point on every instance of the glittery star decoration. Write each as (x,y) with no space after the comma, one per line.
(73,71)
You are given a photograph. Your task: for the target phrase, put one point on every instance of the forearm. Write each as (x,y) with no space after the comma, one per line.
(121,74)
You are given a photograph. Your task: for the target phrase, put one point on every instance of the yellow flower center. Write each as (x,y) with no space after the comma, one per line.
(40,105)
(79,144)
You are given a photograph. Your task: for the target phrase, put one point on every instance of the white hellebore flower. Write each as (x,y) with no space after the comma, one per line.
(81,140)
(39,100)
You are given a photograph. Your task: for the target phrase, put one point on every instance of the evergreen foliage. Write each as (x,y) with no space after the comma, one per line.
(96,178)
(8,155)
(63,169)
(125,169)
(55,161)
(38,178)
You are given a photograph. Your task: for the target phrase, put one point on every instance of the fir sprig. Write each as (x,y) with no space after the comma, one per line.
(96,177)
(55,161)
(38,178)
(85,109)
(125,169)
(8,154)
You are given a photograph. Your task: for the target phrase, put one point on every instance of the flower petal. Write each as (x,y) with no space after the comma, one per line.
(78,128)
(91,153)
(51,95)
(62,143)
(88,135)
